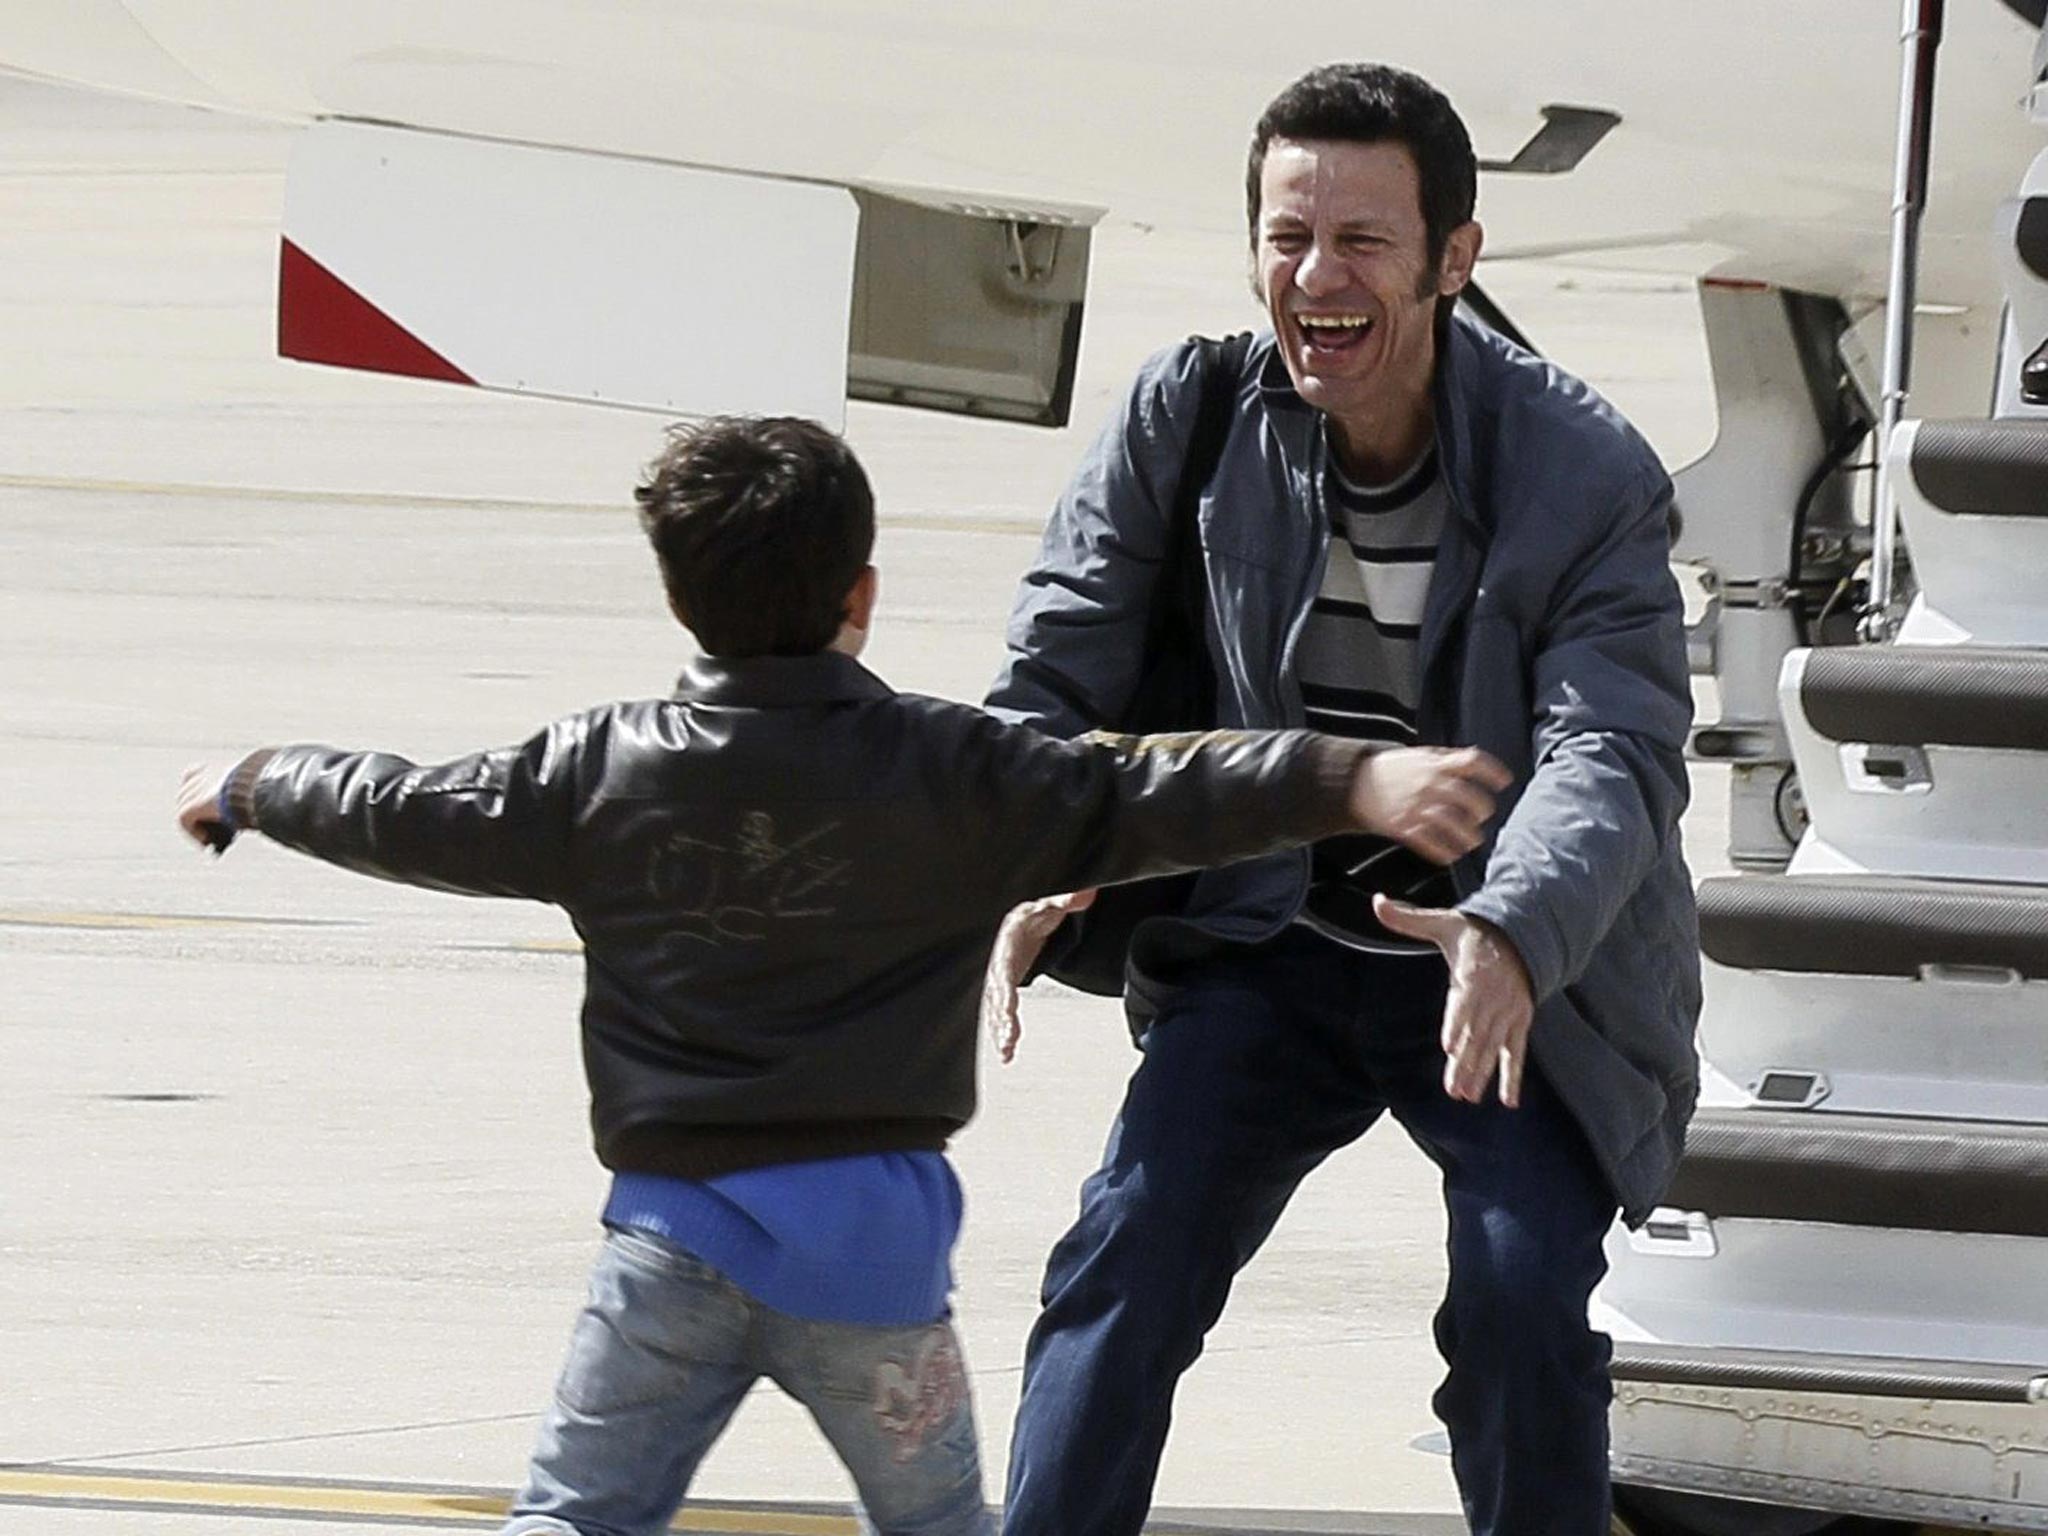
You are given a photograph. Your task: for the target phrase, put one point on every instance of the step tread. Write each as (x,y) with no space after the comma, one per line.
(1928,695)
(1983,468)
(1898,1171)
(1872,925)
(1789,1370)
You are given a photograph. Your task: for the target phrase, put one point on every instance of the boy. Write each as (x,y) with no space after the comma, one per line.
(788,879)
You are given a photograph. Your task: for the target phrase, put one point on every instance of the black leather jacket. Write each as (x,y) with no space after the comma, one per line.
(788,879)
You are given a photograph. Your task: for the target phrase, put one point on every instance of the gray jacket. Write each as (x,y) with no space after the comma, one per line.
(1552,636)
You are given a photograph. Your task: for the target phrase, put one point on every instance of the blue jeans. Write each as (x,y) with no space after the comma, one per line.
(1256,1070)
(663,1353)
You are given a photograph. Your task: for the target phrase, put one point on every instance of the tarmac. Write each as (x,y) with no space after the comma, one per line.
(296,1196)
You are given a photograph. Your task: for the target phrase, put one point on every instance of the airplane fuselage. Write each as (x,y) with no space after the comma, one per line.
(1755,139)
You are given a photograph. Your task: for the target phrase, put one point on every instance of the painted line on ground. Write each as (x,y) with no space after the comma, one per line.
(527,947)
(116,1490)
(935,522)
(161,922)
(359,1503)
(158,921)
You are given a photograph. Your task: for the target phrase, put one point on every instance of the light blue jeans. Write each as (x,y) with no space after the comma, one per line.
(661,1357)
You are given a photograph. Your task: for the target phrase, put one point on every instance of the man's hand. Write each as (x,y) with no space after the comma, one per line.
(1434,800)
(1487,1016)
(199,805)
(1018,942)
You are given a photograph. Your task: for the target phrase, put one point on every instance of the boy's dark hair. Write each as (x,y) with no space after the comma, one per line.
(761,525)
(1374,104)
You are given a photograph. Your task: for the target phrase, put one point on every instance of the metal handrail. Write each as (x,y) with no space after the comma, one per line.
(1919,41)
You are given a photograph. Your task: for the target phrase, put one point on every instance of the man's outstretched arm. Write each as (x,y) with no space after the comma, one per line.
(1295,787)
(1612,707)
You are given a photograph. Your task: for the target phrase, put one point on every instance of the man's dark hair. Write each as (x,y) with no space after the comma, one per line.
(761,525)
(1376,104)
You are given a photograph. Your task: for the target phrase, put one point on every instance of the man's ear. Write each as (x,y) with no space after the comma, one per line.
(859,610)
(1461,255)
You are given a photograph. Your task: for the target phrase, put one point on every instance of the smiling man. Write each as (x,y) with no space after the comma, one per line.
(1414,531)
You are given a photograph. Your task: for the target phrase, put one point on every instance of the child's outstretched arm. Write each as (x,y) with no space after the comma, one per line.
(490,824)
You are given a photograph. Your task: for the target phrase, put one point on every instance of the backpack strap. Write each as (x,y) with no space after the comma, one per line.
(1176,688)
(1181,597)
(1222,367)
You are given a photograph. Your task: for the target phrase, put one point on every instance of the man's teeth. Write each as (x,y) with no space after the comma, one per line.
(1333,322)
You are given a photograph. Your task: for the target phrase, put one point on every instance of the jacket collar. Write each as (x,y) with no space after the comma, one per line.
(771,682)
(1461,363)
(1457,365)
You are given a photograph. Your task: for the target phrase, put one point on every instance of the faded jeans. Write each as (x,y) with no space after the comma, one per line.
(662,1355)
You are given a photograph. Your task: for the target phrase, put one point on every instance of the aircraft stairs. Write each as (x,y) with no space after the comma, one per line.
(1853,1264)
(1843,1305)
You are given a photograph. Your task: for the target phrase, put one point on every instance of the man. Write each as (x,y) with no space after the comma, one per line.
(1416,531)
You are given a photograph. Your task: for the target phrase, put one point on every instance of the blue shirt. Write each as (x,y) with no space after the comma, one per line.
(865,1239)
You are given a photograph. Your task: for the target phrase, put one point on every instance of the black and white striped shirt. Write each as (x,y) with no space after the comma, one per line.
(1358,664)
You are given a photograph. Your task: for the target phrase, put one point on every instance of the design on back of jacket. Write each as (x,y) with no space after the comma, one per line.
(734,890)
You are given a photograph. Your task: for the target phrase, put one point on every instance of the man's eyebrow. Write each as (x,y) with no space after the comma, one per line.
(1368,225)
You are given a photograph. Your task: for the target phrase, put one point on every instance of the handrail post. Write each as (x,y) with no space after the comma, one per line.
(1919,40)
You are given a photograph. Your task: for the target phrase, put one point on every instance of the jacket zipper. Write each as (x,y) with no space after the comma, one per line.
(1292,710)
(1465,524)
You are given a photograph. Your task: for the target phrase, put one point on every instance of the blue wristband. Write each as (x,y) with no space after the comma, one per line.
(223,812)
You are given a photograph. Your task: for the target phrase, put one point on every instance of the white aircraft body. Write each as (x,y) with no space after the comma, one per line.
(1754,142)
(1755,137)
(775,204)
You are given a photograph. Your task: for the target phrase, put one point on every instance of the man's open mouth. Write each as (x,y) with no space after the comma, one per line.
(1333,333)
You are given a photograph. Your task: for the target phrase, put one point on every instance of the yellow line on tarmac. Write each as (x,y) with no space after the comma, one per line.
(285,1499)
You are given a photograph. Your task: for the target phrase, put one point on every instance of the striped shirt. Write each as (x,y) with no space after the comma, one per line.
(1358,665)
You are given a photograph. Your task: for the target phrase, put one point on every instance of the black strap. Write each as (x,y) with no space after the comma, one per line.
(1217,377)
(1176,634)
(1176,687)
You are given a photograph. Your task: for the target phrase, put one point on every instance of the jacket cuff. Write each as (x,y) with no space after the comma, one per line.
(1333,766)
(240,793)
(1534,936)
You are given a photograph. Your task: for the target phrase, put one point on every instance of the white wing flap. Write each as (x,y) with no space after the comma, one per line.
(554,272)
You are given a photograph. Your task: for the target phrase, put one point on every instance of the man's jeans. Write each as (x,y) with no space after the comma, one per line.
(1258,1069)
(661,1357)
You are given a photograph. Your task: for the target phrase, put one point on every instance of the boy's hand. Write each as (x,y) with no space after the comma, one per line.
(199,811)
(1434,800)
(1490,1007)
(1018,942)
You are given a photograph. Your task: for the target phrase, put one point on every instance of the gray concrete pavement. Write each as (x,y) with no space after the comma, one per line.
(294,1179)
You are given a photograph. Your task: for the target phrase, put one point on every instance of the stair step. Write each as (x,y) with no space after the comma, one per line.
(1785,1370)
(1866,1170)
(1873,925)
(1973,500)
(1983,468)
(1924,695)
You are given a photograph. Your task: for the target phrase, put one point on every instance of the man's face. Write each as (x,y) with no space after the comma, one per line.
(1342,265)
